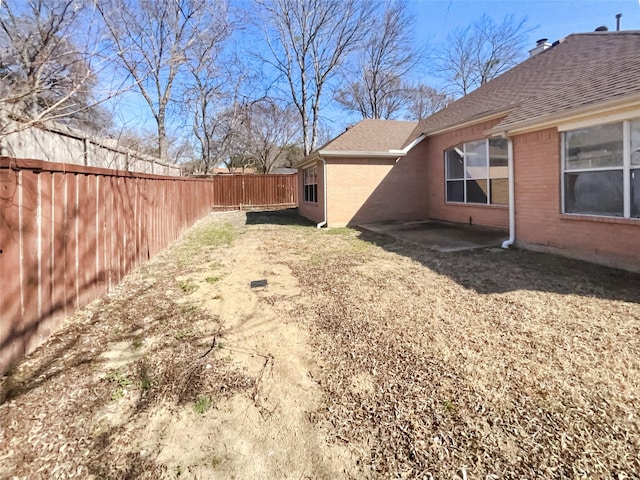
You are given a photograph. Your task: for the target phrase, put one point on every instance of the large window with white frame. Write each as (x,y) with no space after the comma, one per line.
(477,172)
(310,182)
(601,170)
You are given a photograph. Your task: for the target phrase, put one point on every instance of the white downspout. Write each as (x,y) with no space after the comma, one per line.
(324,197)
(512,198)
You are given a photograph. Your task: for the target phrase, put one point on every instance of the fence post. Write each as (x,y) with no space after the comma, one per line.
(85,142)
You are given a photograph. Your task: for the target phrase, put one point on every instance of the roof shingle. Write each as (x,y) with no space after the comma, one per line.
(581,70)
(372,135)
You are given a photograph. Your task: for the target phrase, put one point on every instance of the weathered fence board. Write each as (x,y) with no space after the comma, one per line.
(69,234)
(58,143)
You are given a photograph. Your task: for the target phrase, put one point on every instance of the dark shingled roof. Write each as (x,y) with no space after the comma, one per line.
(583,70)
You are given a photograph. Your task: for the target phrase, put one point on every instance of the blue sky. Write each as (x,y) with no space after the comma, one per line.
(552,19)
(435,19)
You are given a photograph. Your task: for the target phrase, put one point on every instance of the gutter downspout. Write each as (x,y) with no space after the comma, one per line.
(324,188)
(512,198)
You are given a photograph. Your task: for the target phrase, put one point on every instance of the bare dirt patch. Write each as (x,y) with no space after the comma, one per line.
(361,357)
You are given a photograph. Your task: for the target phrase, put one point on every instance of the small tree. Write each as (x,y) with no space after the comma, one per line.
(269,131)
(481,52)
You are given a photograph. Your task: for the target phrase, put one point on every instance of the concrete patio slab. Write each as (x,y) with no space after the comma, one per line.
(440,236)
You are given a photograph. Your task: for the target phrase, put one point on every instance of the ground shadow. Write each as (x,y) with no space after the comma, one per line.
(287,216)
(495,270)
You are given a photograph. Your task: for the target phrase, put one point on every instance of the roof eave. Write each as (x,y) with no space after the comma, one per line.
(484,117)
(571,116)
(312,157)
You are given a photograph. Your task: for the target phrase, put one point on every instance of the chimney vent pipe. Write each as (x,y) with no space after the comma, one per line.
(618,16)
(541,46)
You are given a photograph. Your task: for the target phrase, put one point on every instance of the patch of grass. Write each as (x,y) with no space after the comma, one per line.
(183,334)
(121,381)
(359,246)
(137,343)
(449,406)
(212,235)
(204,238)
(187,286)
(202,404)
(146,383)
(212,280)
(340,231)
(189,309)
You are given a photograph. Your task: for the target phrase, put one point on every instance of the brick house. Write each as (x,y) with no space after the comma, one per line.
(559,135)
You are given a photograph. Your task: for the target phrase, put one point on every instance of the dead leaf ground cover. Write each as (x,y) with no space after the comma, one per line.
(473,364)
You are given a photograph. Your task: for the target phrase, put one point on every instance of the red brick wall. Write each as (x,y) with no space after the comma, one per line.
(488,215)
(541,225)
(312,211)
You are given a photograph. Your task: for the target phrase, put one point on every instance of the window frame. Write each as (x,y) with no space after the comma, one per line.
(466,178)
(310,184)
(627,168)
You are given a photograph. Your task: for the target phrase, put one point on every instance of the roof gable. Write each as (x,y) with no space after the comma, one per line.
(372,135)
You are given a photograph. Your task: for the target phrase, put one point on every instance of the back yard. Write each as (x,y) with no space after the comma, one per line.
(361,357)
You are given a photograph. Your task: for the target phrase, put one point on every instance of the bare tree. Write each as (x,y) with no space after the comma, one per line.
(424,101)
(220,138)
(378,90)
(481,52)
(269,132)
(44,73)
(308,42)
(153,39)
(210,88)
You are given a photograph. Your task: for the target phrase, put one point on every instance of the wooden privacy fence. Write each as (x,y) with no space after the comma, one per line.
(69,234)
(255,191)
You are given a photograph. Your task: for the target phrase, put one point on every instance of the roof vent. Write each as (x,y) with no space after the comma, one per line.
(541,46)
(602,28)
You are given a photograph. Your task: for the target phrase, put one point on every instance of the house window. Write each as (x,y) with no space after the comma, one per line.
(601,169)
(477,172)
(310,181)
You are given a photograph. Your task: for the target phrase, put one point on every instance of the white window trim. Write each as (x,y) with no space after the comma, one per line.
(626,164)
(616,117)
(305,174)
(464,178)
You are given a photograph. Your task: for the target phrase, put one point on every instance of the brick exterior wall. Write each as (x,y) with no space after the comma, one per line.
(496,216)
(364,191)
(540,224)
(413,188)
(312,211)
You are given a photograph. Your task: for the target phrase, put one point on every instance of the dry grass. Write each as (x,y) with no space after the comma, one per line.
(475,364)
(480,364)
(78,404)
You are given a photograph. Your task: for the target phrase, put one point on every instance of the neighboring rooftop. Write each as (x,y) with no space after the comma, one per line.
(581,70)
(371,135)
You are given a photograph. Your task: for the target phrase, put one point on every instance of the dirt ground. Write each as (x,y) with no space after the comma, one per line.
(361,357)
